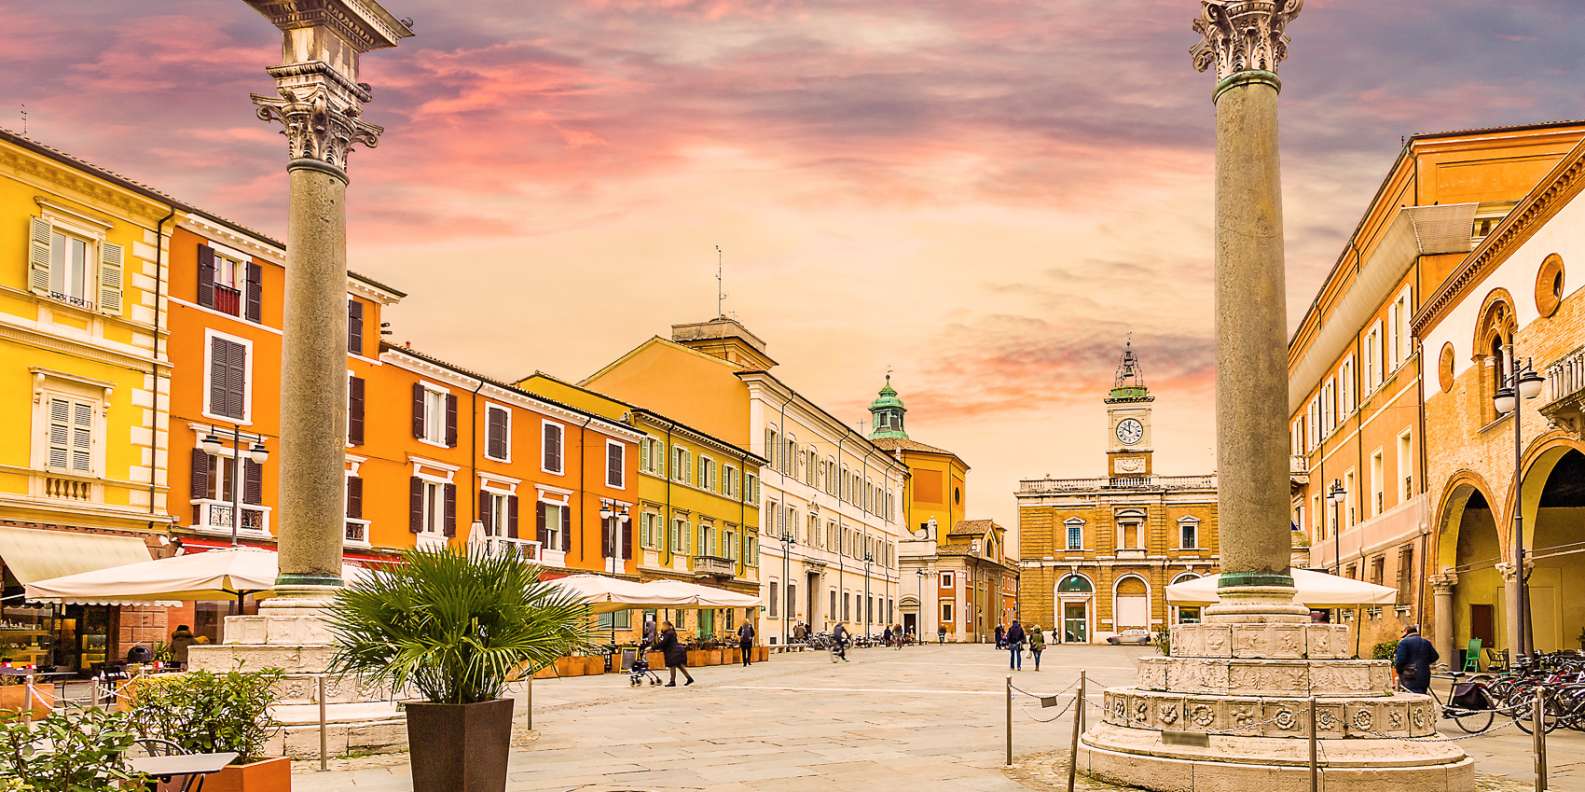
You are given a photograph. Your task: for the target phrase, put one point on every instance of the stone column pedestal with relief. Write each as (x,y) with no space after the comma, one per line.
(1231,707)
(319,103)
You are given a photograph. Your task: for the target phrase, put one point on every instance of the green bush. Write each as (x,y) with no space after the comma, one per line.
(206,712)
(1384,650)
(87,753)
(456,626)
(1163,640)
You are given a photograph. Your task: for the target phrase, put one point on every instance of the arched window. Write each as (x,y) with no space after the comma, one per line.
(1075,584)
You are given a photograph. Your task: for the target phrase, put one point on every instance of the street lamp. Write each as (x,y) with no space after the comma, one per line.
(1520,381)
(787,542)
(1336,496)
(256,452)
(868,559)
(608,510)
(919,595)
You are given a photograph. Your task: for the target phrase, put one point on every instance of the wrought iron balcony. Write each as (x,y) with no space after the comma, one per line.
(214,517)
(524,549)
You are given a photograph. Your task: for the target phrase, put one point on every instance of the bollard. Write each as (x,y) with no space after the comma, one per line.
(1078,719)
(324,733)
(1540,739)
(1009,720)
(1315,767)
(27,700)
(528,701)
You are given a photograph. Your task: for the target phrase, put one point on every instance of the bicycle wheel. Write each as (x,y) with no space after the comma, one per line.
(1523,703)
(1474,721)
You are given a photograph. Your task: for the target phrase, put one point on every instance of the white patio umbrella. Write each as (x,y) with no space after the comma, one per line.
(698,596)
(1317,590)
(229,573)
(605,594)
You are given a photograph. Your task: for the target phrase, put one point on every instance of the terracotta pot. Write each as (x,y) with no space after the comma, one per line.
(14,697)
(594,664)
(715,656)
(657,660)
(548,672)
(569,666)
(733,656)
(763,652)
(459,747)
(269,775)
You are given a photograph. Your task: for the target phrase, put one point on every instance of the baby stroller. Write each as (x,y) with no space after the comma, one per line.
(640,671)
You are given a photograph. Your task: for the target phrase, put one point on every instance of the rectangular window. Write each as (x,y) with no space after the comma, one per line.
(495,511)
(70,264)
(1189,535)
(1405,574)
(946,613)
(729,545)
(552,461)
(71,435)
(227,375)
(497,433)
(946,580)
(729,481)
(750,488)
(706,473)
(435,416)
(774,599)
(1353,499)
(615,464)
(553,522)
(1378,569)
(1346,386)
(681,465)
(354,326)
(1405,464)
(434,505)
(1377,482)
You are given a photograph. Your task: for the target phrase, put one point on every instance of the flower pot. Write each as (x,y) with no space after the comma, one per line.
(714,657)
(695,657)
(269,775)
(763,652)
(569,666)
(548,672)
(657,660)
(459,747)
(594,664)
(733,656)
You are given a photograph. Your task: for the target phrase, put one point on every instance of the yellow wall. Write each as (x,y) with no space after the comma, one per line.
(936,489)
(675,381)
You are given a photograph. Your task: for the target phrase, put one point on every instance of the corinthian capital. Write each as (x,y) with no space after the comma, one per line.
(320,111)
(1242,35)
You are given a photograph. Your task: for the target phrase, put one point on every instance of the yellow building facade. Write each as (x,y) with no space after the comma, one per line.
(1097,554)
(84,376)
(697,514)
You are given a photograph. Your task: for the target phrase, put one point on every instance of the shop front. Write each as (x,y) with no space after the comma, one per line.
(65,637)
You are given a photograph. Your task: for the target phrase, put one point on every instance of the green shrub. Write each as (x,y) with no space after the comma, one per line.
(456,626)
(1384,650)
(1163,640)
(206,712)
(87,753)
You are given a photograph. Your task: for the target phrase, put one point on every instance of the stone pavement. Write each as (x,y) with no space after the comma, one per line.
(917,719)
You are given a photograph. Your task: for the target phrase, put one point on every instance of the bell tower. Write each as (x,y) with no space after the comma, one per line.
(1128,448)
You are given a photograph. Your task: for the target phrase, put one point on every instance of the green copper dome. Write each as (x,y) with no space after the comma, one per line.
(887,411)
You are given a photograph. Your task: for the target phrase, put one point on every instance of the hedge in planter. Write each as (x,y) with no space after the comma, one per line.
(87,752)
(205,712)
(455,627)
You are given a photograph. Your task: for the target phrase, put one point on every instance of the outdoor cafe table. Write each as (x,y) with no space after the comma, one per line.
(195,765)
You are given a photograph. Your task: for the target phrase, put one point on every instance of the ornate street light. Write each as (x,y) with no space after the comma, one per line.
(257,453)
(1520,381)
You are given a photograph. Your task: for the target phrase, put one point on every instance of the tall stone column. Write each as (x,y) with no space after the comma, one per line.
(1510,606)
(1442,613)
(319,104)
(1231,706)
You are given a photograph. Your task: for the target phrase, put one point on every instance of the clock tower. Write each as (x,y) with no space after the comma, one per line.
(1128,448)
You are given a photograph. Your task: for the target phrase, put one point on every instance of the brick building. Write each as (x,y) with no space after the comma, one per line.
(1098,553)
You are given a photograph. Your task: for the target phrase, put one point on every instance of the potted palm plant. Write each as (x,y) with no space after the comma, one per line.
(454,627)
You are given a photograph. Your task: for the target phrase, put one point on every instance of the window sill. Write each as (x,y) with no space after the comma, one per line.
(506,461)
(86,306)
(435,443)
(245,420)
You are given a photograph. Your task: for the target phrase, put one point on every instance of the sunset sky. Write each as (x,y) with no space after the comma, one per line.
(986,196)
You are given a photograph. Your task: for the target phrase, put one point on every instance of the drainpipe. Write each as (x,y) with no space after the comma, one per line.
(473,456)
(583,470)
(154,368)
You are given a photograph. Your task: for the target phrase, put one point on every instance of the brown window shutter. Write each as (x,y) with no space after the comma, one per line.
(355,497)
(566,526)
(605,539)
(511,516)
(451,420)
(217,376)
(486,508)
(496,427)
(540,533)
(200,477)
(252,482)
(627,539)
(355,410)
(255,297)
(206,276)
(237,378)
(354,326)
(415,504)
(418,409)
(449,521)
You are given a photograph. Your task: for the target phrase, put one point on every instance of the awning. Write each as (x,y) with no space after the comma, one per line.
(212,575)
(34,554)
(1313,589)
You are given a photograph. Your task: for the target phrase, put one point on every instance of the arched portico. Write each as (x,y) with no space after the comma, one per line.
(1469,584)
(1553,508)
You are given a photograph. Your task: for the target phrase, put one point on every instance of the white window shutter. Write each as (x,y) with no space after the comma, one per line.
(38,255)
(110,278)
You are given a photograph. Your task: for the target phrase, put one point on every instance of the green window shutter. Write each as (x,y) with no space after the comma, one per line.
(110,278)
(38,255)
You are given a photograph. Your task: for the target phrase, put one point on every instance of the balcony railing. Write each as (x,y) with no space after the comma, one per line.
(1565,391)
(66,487)
(213,516)
(713,565)
(525,549)
(1053,486)
(228,300)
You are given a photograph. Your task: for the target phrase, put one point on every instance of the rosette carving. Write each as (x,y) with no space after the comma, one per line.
(1242,35)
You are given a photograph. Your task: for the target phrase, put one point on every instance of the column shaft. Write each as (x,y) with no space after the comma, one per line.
(1251,351)
(1442,604)
(1511,612)
(314,380)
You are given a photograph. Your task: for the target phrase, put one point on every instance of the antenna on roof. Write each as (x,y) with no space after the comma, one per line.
(720,283)
(23,111)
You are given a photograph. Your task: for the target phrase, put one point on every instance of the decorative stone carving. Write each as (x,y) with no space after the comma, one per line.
(321,113)
(1202,713)
(1242,35)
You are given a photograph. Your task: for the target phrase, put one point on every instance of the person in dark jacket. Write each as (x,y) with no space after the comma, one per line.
(676,654)
(1001,636)
(1413,660)
(745,642)
(839,642)
(1014,640)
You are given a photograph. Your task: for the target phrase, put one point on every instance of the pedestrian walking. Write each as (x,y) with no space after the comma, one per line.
(941,635)
(886,636)
(1001,634)
(745,642)
(839,642)
(1413,660)
(1014,640)
(899,635)
(1037,643)
(676,654)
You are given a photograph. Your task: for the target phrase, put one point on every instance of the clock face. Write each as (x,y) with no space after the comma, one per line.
(1130,431)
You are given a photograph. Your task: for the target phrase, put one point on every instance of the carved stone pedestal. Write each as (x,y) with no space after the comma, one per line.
(290,634)
(1230,709)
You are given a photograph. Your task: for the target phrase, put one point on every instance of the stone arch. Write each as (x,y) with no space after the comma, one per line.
(1456,494)
(1073,595)
(1553,507)
(1538,464)
(1129,592)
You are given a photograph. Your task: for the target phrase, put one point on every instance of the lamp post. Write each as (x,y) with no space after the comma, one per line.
(919,596)
(787,542)
(1519,380)
(257,453)
(612,516)
(868,559)
(1336,495)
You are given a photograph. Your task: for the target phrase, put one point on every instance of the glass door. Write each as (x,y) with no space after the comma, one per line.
(1075,625)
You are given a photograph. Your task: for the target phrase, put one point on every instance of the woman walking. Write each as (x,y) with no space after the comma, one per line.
(1037,643)
(676,654)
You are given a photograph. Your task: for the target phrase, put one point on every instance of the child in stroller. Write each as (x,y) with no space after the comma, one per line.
(640,671)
